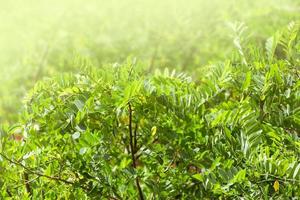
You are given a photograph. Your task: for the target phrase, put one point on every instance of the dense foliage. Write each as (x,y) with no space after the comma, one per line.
(231,132)
(45,38)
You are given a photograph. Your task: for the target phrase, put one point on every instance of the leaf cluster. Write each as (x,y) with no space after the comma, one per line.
(117,133)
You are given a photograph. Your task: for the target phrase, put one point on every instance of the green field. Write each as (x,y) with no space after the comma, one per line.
(166,99)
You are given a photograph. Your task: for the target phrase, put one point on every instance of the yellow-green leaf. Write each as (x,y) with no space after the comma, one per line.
(153,130)
(247,81)
(276,186)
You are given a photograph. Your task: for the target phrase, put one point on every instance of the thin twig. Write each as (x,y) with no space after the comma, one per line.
(36,173)
(135,139)
(27,184)
(141,196)
(29,181)
(8,192)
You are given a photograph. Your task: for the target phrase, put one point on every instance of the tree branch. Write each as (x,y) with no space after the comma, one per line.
(27,184)
(8,192)
(36,173)
(135,139)
(132,139)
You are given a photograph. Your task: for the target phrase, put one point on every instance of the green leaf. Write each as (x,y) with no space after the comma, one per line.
(76,135)
(247,81)
(199,177)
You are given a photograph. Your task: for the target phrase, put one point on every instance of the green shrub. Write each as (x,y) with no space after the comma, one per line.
(116,133)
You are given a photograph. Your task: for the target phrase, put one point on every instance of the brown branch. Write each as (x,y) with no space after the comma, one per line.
(29,181)
(141,196)
(131,136)
(8,192)
(27,184)
(36,173)
(135,139)
(49,177)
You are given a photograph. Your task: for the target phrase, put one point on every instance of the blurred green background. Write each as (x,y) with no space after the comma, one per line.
(40,38)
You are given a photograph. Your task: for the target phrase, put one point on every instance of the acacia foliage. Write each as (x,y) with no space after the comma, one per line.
(115,133)
(43,41)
